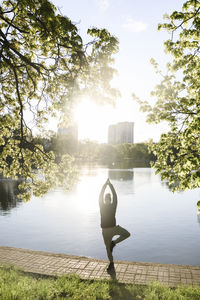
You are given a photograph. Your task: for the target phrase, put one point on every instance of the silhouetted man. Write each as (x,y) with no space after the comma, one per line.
(108,221)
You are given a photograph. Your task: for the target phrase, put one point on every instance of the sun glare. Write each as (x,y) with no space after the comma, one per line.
(93,120)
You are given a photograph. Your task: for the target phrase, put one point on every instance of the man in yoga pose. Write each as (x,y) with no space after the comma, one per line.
(108,222)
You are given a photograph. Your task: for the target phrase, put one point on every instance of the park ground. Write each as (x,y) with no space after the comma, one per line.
(27,274)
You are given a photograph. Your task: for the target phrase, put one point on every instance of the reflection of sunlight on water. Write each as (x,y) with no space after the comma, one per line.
(84,196)
(87,194)
(88,190)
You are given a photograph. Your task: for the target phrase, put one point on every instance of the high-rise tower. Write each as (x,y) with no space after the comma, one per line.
(120,133)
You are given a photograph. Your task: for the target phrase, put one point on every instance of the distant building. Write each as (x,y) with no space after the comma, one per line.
(121,133)
(112,134)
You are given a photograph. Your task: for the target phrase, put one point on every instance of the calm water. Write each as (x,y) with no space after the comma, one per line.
(164,226)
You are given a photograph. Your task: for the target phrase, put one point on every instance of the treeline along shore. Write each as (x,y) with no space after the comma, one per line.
(122,155)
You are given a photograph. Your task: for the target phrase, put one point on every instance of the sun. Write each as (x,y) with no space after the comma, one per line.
(93,120)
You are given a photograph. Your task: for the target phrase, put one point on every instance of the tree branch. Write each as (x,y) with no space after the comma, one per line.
(180,25)
(12,25)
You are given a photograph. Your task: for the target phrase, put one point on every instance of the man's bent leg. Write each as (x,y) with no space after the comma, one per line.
(123,234)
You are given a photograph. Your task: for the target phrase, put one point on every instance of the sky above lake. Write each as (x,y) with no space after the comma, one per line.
(134,23)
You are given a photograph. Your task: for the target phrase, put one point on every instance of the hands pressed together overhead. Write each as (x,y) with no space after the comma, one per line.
(108,181)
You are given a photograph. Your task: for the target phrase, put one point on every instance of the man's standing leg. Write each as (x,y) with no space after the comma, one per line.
(107,236)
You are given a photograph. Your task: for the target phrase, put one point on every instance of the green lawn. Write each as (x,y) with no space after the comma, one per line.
(15,284)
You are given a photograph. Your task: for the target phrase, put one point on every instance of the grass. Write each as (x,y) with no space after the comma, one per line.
(17,285)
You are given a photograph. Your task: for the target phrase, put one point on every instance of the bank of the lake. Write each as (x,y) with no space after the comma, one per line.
(49,275)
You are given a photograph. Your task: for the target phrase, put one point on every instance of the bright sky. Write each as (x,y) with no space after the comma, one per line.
(134,23)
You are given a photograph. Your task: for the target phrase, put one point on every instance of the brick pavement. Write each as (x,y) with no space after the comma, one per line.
(127,272)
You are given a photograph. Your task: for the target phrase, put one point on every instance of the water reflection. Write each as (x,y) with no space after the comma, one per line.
(121,174)
(170,186)
(8,195)
(198,218)
(129,164)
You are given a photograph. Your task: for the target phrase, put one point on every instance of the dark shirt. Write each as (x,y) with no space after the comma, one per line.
(108,211)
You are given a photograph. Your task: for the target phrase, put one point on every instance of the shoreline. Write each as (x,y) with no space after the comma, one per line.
(49,263)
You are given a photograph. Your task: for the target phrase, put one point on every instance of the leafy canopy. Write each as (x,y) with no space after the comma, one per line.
(44,68)
(178,101)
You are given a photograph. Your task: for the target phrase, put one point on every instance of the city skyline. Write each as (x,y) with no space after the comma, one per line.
(121,132)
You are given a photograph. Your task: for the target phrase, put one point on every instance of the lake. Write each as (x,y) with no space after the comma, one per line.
(164,226)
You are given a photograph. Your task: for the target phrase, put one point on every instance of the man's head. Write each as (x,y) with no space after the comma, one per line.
(108,198)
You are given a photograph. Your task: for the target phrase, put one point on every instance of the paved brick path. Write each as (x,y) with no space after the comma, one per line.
(128,272)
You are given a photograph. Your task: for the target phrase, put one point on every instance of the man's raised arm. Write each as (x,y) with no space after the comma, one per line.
(102,193)
(113,193)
